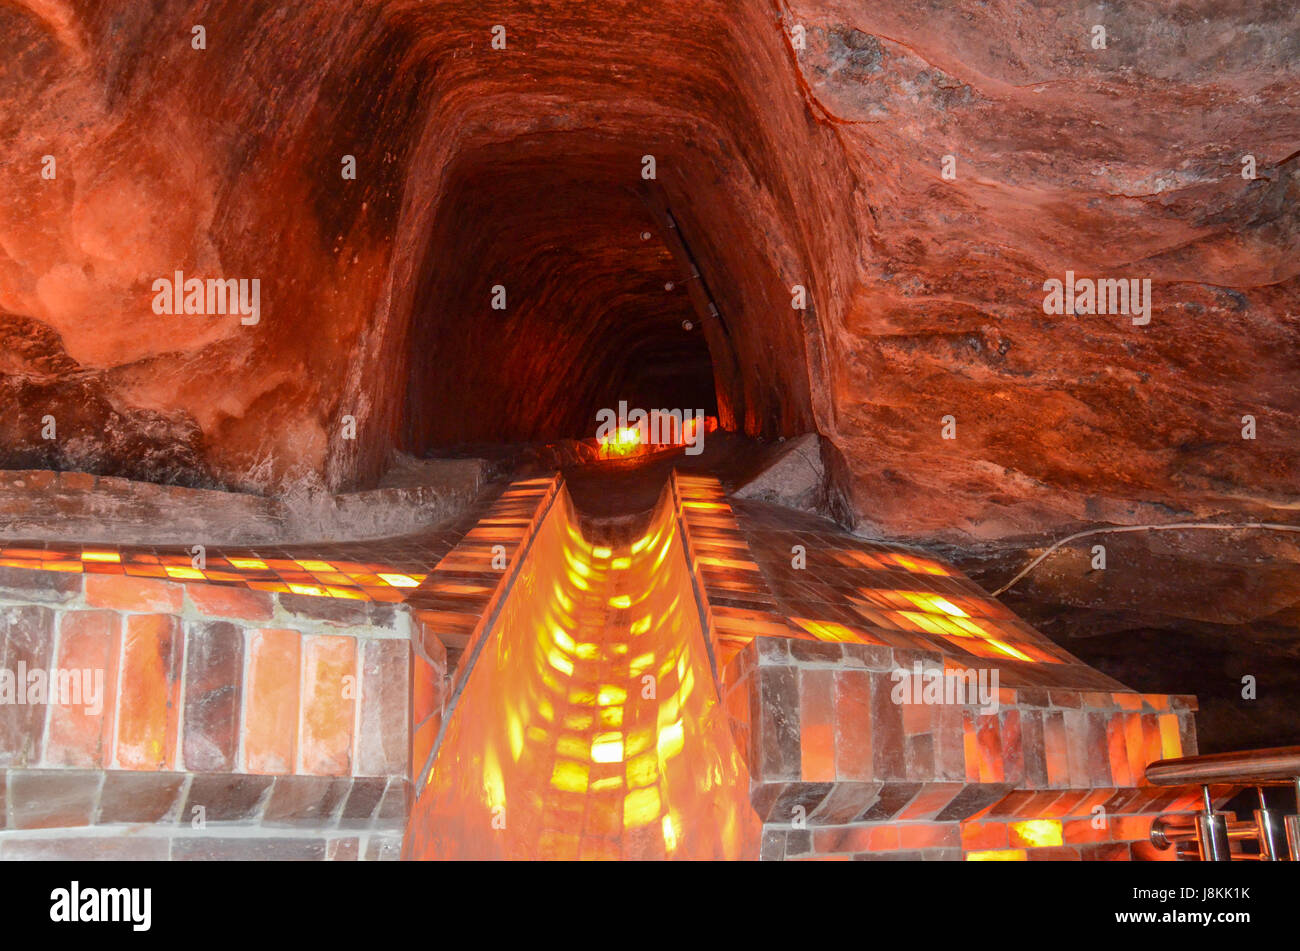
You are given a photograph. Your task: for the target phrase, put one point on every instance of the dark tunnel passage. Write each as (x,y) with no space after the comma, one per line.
(548,292)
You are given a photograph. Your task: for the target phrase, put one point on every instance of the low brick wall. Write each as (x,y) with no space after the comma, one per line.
(263,712)
(839,769)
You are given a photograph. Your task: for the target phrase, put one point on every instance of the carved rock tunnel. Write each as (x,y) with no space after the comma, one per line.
(523,170)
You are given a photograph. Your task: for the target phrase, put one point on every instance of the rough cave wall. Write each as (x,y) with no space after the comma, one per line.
(817,165)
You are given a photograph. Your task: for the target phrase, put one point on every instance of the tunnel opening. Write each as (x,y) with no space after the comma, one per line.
(550,292)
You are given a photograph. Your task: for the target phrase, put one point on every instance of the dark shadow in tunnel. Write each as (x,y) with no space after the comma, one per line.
(548,293)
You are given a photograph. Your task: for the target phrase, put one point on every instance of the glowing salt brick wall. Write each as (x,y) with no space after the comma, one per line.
(281,722)
(555,749)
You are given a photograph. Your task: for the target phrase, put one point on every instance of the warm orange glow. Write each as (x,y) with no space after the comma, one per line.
(997,855)
(589,726)
(1037,832)
(398,581)
(101,556)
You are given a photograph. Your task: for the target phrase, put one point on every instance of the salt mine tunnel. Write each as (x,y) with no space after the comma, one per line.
(648,431)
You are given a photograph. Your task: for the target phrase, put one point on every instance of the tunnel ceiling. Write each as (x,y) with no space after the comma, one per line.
(796,143)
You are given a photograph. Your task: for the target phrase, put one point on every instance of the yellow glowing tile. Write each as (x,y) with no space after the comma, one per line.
(587,651)
(609,782)
(947,607)
(671,740)
(315,565)
(611,716)
(642,770)
(638,741)
(578,721)
(620,601)
(621,564)
(574,747)
(307,589)
(607,748)
(601,552)
(1009,650)
(670,835)
(640,664)
(70,566)
(248,564)
(611,696)
(997,855)
(347,594)
(641,807)
(569,776)
(188,573)
(641,625)
(104,556)
(398,581)
(1038,832)
(561,663)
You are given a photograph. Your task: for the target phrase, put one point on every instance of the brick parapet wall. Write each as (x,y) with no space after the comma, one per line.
(839,768)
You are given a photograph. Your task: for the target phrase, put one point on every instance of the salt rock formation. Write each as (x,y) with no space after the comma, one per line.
(649,192)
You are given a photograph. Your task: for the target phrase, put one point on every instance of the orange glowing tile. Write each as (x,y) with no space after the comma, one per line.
(69,566)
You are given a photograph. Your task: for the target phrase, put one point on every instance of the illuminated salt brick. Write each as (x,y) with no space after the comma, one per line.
(383,721)
(26,638)
(853,756)
(1032,746)
(1131,828)
(1171,746)
(1056,748)
(1135,744)
(125,593)
(1035,833)
(1117,751)
(1013,754)
(817,726)
(982,836)
(997,855)
(88,642)
(842,839)
(230,601)
(970,746)
(329,693)
(950,749)
(1076,734)
(148,712)
(989,744)
(1151,738)
(888,756)
(927,835)
(271,708)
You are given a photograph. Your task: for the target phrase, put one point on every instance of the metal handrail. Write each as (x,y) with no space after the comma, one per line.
(1279,765)
(1278,834)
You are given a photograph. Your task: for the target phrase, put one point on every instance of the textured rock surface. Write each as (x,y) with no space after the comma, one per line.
(794,477)
(796,143)
(809,156)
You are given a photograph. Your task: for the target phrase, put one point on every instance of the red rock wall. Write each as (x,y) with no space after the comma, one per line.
(780,165)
